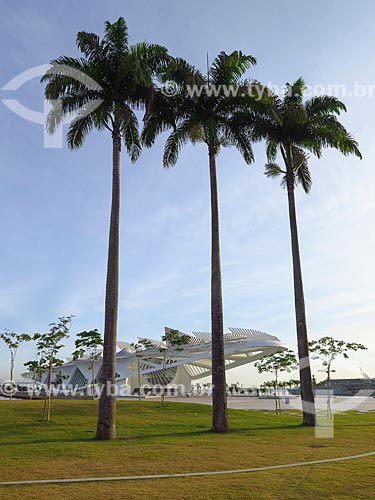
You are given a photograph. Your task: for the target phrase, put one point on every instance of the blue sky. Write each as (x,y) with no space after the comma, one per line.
(55,203)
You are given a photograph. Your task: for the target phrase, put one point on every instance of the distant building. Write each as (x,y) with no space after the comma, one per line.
(349,386)
(193,362)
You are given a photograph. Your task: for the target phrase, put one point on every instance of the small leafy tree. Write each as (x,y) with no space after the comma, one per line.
(327,349)
(13,341)
(48,345)
(36,367)
(174,342)
(140,347)
(284,361)
(294,382)
(235,388)
(87,345)
(283,385)
(265,386)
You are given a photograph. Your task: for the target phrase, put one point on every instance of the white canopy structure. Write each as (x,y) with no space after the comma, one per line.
(192,362)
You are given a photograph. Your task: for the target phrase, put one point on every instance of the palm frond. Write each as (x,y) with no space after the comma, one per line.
(131,139)
(296,127)
(116,36)
(196,133)
(324,105)
(160,116)
(178,138)
(106,84)
(271,150)
(273,170)
(294,92)
(301,168)
(182,73)
(89,45)
(80,102)
(156,56)
(146,60)
(152,127)
(331,133)
(303,177)
(229,68)
(294,116)
(236,136)
(69,74)
(258,125)
(78,130)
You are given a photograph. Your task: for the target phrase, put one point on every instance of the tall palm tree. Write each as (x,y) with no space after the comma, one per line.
(102,88)
(296,128)
(202,109)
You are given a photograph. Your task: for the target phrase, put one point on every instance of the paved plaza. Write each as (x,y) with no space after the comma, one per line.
(338,403)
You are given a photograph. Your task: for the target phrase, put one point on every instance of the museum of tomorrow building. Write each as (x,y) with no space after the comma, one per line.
(169,366)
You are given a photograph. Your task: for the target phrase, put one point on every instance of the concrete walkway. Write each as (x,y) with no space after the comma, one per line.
(338,403)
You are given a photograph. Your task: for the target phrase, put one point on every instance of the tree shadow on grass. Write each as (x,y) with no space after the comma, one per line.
(236,431)
(240,431)
(47,441)
(339,425)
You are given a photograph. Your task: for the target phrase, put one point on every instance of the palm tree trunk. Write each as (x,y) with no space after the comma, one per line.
(106,426)
(307,393)
(219,394)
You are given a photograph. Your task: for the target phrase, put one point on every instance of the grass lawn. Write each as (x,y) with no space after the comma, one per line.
(155,440)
